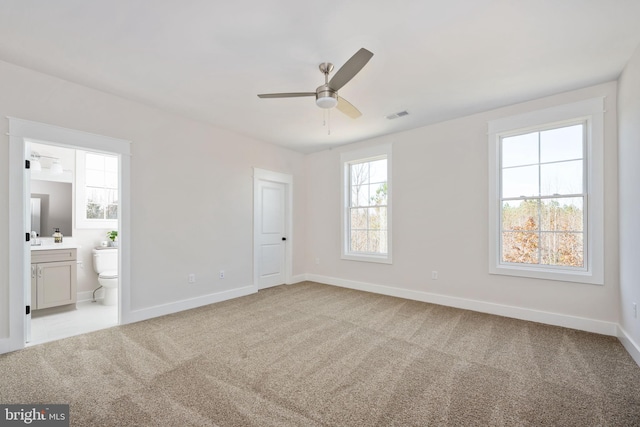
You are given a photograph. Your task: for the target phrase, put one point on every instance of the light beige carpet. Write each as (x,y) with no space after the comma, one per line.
(317,355)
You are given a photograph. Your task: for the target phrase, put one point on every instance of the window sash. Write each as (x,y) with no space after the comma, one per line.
(355,206)
(540,197)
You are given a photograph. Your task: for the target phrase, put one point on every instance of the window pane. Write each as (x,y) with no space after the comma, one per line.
(561,178)
(112,212)
(563,214)
(359,173)
(378,171)
(94,161)
(520,181)
(382,214)
(377,242)
(378,194)
(111,180)
(520,150)
(375,222)
(520,215)
(360,195)
(94,178)
(358,241)
(111,163)
(111,197)
(95,211)
(96,195)
(358,219)
(520,247)
(563,249)
(561,144)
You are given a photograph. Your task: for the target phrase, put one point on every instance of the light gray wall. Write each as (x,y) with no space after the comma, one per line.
(191,187)
(629,182)
(440,218)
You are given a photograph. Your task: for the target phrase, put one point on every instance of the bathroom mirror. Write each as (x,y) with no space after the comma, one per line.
(55,201)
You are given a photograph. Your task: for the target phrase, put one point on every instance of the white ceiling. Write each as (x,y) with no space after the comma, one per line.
(209,59)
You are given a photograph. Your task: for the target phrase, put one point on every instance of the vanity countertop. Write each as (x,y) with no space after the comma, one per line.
(46,246)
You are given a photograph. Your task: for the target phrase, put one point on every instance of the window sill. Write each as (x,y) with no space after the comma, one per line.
(380,259)
(586,277)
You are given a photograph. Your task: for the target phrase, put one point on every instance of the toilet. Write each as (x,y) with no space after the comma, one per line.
(105,263)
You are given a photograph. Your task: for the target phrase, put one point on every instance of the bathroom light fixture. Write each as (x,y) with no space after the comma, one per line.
(35,162)
(36,166)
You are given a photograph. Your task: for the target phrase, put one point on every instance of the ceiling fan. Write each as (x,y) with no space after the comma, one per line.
(327,94)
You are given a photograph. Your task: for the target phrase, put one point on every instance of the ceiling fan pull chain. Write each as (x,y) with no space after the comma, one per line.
(328,122)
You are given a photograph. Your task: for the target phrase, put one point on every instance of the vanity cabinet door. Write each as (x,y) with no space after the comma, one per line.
(56,283)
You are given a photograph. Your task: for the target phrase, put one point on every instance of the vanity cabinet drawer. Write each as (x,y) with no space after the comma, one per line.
(53,255)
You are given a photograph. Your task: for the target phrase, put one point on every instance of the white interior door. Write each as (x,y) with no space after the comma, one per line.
(270,233)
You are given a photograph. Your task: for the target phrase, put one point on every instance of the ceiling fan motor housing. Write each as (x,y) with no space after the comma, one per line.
(326,97)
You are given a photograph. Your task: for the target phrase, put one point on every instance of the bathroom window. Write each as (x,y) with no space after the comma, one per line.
(96,190)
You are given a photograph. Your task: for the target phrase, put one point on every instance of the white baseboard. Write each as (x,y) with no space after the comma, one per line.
(297,279)
(186,304)
(629,344)
(573,322)
(88,295)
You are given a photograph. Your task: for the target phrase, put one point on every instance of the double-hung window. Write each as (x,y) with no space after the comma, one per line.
(366,206)
(96,190)
(546,204)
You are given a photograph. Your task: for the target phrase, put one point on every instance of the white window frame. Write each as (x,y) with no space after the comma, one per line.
(356,156)
(80,208)
(591,112)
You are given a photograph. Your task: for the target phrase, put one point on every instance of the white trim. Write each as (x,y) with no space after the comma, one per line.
(84,296)
(632,347)
(556,319)
(287,180)
(592,111)
(190,303)
(297,279)
(19,131)
(364,154)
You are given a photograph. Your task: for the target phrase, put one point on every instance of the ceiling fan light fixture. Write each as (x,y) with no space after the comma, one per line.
(326,102)
(326,98)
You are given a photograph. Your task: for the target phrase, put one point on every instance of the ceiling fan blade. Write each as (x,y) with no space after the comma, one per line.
(286,95)
(347,108)
(350,69)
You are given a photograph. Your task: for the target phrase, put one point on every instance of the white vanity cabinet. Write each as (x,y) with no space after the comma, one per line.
(53,278)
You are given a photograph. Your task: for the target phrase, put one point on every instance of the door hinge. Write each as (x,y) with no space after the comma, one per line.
(27,164)
(28,309)
(28,237)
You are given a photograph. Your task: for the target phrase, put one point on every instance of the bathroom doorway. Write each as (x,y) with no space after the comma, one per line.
(67,184)
(22,134)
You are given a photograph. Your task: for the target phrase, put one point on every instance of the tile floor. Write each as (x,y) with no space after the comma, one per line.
(88,316)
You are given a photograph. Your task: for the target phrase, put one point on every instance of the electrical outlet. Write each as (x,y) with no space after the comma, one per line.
(192,278)
(635,310)
(317,261)
(434,275)
(222,274)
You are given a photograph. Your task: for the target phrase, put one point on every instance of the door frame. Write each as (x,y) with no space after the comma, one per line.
(21,130)
(281,178)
